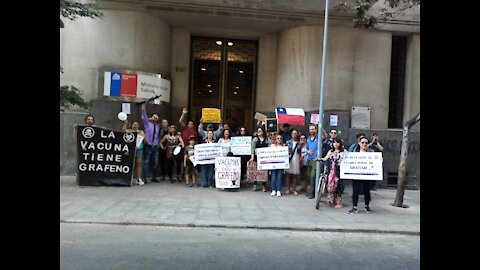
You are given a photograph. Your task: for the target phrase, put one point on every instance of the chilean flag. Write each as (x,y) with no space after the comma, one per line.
(120,84)
(293,116)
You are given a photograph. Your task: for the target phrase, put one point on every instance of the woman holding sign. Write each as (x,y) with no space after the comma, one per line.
(244,158)
(135,127)
(225,142)
(359,185)
(207,170)
(277,174)
(261,140)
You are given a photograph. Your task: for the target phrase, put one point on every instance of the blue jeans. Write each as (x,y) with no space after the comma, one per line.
(277,178)
(206,175)
(150,157)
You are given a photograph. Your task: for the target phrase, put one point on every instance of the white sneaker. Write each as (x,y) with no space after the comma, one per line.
(278,193)
(273,193)
(140,182)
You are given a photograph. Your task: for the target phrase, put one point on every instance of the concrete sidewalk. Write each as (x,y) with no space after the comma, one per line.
(165,204)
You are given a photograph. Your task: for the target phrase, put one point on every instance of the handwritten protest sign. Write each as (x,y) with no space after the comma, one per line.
(211,115)
(271,158)
(241,145)
(314,118)
(227,172)
(206,153)
(361,166)
(104,157)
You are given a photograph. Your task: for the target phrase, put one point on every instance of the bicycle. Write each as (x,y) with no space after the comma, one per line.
(322,182)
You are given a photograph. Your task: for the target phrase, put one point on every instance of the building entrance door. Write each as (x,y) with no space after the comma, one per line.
(223,74)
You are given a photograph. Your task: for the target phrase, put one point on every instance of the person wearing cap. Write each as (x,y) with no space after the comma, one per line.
(216,134)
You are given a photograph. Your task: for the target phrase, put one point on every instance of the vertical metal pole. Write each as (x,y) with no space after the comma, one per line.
(322,91)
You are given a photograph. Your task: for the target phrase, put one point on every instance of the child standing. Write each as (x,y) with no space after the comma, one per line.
(189,169)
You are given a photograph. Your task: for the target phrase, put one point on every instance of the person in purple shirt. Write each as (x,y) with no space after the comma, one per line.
(151,145)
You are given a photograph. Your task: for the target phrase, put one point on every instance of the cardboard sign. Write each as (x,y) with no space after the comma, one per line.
(211,115)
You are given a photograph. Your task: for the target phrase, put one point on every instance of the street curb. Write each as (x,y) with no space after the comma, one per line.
(414,233)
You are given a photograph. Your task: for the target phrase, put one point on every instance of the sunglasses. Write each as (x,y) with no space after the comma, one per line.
(333,132)
(363,142)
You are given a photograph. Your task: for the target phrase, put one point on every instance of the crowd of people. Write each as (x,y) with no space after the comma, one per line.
(165,147)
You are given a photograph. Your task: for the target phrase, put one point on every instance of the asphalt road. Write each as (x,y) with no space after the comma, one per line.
(104,246)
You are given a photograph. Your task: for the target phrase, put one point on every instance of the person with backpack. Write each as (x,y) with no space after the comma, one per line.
(356,146)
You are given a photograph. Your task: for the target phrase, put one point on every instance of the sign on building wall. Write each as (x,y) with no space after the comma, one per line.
(150,86)
(135,85)
(361,117)
(105,157)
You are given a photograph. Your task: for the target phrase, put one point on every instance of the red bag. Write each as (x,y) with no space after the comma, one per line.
(332,179)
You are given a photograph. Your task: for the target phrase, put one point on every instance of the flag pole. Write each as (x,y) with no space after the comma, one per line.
(322,91)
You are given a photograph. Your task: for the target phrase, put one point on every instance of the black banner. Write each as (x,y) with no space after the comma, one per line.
(105,157)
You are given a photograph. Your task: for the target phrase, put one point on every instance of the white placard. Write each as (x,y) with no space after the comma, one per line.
(361,166)
(208,152)
(227,172)
(314,118)
(150,86)
(139,140)
(272,158)
(333,120)
(192,159)
(361,117)
(241,145)
(126,108)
